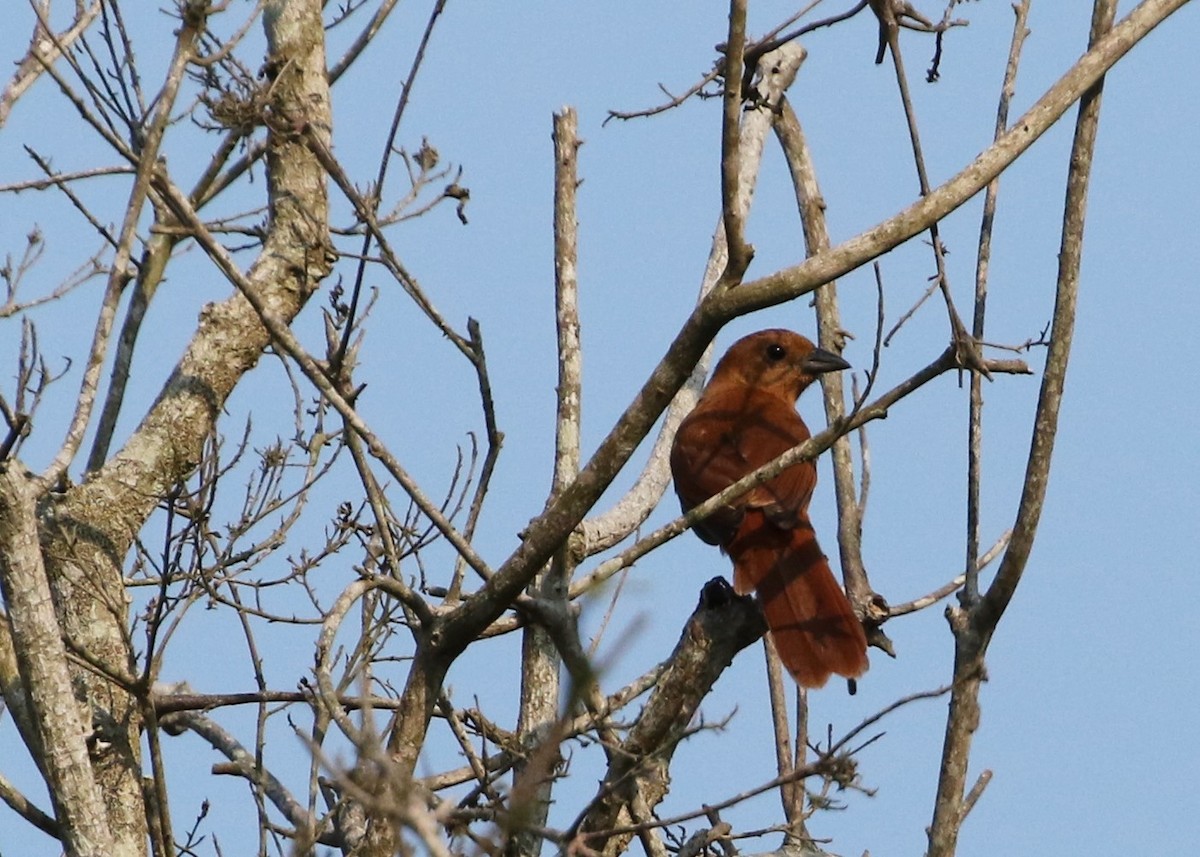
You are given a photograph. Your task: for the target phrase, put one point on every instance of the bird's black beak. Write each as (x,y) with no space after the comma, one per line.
(820,361)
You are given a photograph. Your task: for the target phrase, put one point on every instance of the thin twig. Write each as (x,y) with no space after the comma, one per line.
(44,52)
(365,37)
(975,793)
(381,176)
(951,587)
(889,28)
(970,593)
(287,342)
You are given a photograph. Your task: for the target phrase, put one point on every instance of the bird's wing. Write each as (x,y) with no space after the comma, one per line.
(722,442)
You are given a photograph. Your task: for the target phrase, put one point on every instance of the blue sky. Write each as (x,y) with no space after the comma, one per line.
(1088,716)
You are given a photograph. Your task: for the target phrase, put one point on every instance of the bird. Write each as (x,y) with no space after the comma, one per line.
(745,418)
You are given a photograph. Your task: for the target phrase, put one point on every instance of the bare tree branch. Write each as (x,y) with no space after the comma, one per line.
(540,659)
(721,625)
(42,660)
(973,630)
(740,253)
(805,277)
(44,51)
(975,415)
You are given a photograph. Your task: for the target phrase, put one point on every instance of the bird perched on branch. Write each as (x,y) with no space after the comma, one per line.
(745,418)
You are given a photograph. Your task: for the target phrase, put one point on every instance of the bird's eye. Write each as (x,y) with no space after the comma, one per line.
(776,352)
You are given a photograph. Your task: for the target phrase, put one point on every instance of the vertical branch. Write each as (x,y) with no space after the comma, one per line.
(973,631)
(970,594)
(494,438)
(540,660)
(791,793)
(735,221)
(41,654)
(566,295)
(811,205)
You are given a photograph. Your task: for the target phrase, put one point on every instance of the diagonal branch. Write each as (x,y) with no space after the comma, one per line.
(43,52)
(721,626)
(805,277)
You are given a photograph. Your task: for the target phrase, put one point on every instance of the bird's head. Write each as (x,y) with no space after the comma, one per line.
(778,361)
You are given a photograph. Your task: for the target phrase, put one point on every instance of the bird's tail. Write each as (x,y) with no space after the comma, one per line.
(811,620)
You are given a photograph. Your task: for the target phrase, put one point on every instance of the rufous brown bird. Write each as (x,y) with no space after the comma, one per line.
(745,418)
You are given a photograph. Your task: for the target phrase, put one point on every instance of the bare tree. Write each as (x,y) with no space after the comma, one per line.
(129,534)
